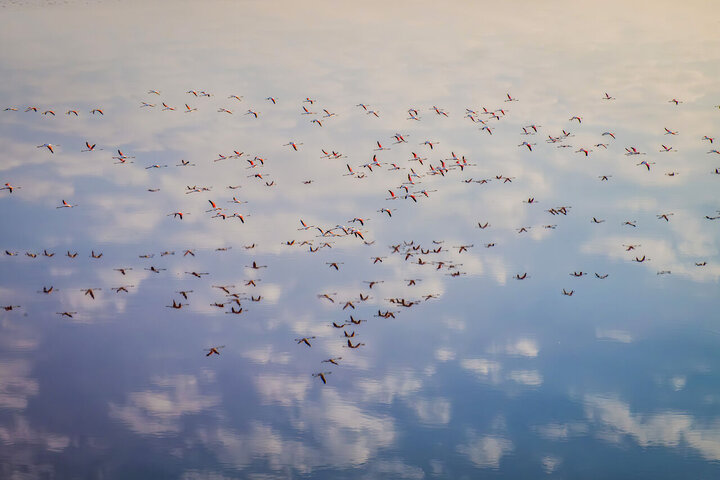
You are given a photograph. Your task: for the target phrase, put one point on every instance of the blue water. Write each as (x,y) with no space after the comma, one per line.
(537,346)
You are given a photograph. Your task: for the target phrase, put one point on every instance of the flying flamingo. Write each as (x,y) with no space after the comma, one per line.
(66,205)
(526,144)
(49,146)
(293,145)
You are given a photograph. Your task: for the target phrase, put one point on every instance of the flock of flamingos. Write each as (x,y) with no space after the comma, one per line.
(414,172)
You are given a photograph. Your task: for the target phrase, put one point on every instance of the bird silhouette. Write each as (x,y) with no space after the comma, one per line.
(214,350)
(305,340)
(321,376)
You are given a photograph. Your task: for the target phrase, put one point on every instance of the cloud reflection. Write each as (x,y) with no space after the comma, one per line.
(160,411)
(531,378)
(433,411)
(292,424)
(16,385)
(22,433)
(485,451)
(667,429)
(482,368)
(338,433)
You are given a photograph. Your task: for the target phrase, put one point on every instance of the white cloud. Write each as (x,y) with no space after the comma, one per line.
(454,323)
(394,469)
(159,411)
(531,378)
(482,368)
(525,347)
(667,429)
(550,463)
(266,354)
(434,412)
(678,382)
(444,354)
(561,431)
(16,385)
(20,432)
(401,383)
(616,335)
(486,451)
(282,389)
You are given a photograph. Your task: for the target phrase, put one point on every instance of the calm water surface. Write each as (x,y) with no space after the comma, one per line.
(536,346)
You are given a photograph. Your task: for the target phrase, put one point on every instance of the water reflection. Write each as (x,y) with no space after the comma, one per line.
(16,385)
(669,429)
(485,451)
(159,412)
(439,249)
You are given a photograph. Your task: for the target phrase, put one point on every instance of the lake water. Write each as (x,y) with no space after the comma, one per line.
(522,308)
